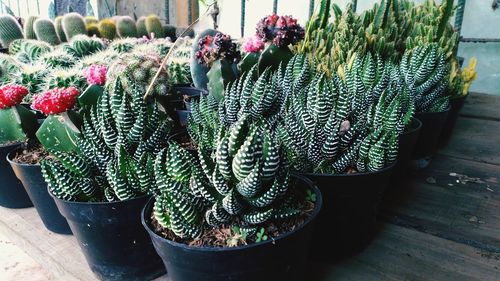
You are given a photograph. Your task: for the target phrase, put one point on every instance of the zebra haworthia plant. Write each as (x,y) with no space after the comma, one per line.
(244,182)
(116,150)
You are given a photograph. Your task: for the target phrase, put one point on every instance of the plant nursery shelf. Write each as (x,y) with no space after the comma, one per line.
(443,224)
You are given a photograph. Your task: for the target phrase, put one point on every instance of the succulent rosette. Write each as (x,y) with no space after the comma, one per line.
(96,74)
(12,95)
(280,30)
(220,46)
(56,100)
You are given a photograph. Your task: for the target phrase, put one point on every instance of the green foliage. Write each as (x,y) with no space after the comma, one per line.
(126,27)
(107,29)
(29,28)
(29,51)
(82,45)
(45,31)
(59,132)
(16,124)
(141,27)
(153,25)
(10,30)
(73,24)
(59,29)
(116,150)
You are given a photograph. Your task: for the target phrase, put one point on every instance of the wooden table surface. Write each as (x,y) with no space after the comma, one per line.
(444,224)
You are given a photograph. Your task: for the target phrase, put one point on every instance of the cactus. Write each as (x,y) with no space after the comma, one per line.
(29,28)
(220,74)
(45,31)
(170,31)
(82,45)
(157,46)
(126,27)
(179,72)
(153,26)
(31,50)
(65,78)
(17,123)
(57,59)
(31,77)
(73,25)
(15,46)
(116,151)
(59,29)
(141,27)
(10,30)
(180,31)
(9,67)
(124,45)
(107,29)
(93,30)
(90,20)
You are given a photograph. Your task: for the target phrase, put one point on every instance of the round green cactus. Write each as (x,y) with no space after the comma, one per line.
(153,26)
(10,30)
(82,45)
(90,19)
(29,27)
(107,29)
(93,30)
(73,25)
(170,31)
(59,29)
(141,27)
(45,31)
(126,27)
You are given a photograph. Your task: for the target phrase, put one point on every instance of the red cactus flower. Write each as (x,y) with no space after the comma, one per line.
(96,74)
(11,95)
(280,30)
(217,47)
(56,100)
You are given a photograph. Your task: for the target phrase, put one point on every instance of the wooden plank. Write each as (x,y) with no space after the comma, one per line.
(398,253)
(475,139)
(434,202)
(482,106)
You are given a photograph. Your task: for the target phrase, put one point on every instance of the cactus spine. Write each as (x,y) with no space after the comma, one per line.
(107,29)
(141,27)
(29,27)
(153,25)
(10,30)
(45,31)
(73,24)
(126,27)
(59,29)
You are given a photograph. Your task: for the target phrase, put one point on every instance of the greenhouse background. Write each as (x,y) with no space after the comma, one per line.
(480,22)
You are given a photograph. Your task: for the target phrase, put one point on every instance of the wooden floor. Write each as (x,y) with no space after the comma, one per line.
(443,225)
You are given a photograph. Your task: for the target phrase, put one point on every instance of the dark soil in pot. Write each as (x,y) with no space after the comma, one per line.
(12,192)
(24,162)
(111,236)
(455,107)
(347,221)
(407,142)
(281,258)
(432,126)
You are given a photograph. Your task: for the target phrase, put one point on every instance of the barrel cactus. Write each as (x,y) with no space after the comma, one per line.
(141,27)
(66,78)
(10,30)
(45,31)
(57,59)
(170,31)
(126,27)
(116,152)
(93,30)
(31,77)
(73,24)
(153,26)
(59,29)
(31,50)
(90,20)
(107,29)
(82,45)
(17,122)
(29,28)
(9,67)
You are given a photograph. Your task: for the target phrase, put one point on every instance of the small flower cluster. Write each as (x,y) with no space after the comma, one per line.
(280,30)
(96,74)
(217,47)
(56,100)
(253,45)
(11,95)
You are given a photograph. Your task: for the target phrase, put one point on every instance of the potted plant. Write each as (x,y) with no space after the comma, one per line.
(459,83)
(237,216)
(18,124)
(101,185)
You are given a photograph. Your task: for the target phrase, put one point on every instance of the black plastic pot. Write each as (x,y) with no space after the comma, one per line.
(111,236)
(185,94)
(455,107)
(407,142)
(347,221)
(283,258)
(12,193)
(32,180)
(432,126)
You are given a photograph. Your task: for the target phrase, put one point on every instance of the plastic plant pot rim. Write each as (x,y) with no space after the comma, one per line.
(431,113)
(413,128)
(13,144)
(312,216)
(184,89)
(116,203)
(10,159)
(459,97)
(383,170)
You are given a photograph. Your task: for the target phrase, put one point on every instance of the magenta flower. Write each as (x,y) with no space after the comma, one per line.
(280,30)
(96,74)
(253,45)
